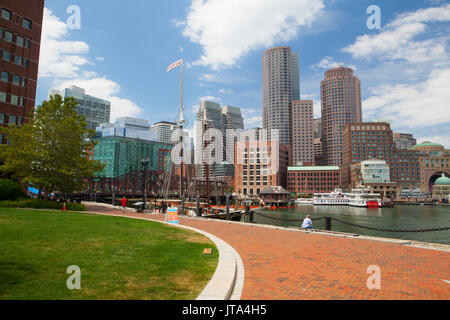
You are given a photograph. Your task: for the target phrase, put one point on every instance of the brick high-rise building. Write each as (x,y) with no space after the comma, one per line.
(302,132)
(280,86)
(260,164)
(309,180)
(341,104)
(370,141)
(20,40)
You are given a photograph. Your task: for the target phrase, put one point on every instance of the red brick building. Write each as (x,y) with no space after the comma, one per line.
(258,165)
(20,40)
(366,141)
(310,180)
(302,132)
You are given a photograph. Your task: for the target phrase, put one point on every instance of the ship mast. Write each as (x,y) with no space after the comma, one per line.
(181,123)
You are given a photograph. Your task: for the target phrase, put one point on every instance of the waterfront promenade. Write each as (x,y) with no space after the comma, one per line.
(295,265)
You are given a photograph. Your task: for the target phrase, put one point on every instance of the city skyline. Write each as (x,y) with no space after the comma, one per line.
(393,76)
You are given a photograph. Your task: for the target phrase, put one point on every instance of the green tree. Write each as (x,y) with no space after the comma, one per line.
(50,151)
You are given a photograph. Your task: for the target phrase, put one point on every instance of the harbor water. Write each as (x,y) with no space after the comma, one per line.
(396,218)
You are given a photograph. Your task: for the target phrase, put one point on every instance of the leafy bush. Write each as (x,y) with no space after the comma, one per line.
(41,204)
(73,206)
(10,190)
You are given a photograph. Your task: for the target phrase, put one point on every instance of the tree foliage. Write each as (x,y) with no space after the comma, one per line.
(10,190)
(50,151)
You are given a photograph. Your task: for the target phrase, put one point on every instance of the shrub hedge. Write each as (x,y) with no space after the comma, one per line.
(41,204)
(10,190)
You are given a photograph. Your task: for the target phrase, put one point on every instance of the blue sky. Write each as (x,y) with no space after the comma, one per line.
(121,53)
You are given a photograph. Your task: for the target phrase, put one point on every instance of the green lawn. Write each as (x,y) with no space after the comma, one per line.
(119,258)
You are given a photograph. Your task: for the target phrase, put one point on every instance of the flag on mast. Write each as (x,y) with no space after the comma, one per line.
(175,65)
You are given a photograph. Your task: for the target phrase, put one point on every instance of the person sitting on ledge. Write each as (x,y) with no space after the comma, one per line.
(307,223)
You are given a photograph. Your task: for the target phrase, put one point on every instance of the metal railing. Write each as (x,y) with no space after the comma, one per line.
(328,224)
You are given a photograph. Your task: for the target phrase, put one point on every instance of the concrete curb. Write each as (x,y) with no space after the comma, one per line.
(227,282)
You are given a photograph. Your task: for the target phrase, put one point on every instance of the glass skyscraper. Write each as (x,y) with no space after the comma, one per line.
(96,110)
(212,116)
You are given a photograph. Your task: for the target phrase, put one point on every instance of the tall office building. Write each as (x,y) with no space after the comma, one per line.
(318,128)
(20,40)
(164,130)
(280,86)
(302,132)
(95,110)
(212,116)
(341,104)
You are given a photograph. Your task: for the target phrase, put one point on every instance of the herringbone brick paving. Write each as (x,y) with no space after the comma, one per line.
(287,265)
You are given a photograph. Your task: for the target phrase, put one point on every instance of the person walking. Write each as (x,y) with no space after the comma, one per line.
(307,223)
(123,204)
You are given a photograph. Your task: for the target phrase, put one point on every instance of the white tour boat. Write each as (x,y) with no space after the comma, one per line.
(361,197)
(304,201)
(335,198)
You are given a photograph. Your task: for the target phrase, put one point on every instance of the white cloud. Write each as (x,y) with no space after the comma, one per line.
(229,29)
(177,23)
(58,57)
(64,62)
(225,91)
(397,40)
(210,98)
(253,122)
(329,63)
(412,105)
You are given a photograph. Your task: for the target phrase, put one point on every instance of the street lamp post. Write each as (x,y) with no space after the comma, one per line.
(145,166)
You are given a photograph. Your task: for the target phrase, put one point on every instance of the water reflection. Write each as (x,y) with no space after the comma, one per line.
(353,211)
(397,218)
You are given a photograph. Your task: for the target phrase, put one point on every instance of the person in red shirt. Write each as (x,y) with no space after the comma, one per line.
(123,203)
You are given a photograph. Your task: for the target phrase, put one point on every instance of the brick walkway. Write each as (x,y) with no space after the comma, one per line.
(285,265)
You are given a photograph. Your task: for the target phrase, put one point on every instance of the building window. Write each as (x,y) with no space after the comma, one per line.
(18,60)
(2,118)
(26,24)
(3,97)
(12,119)
(14,99)
(16,80)
(25,63)
(19,41)
(6,56)
(8,36)
(6,14)
(4,76)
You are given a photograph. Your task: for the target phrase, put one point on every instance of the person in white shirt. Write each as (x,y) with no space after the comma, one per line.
(307,223)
